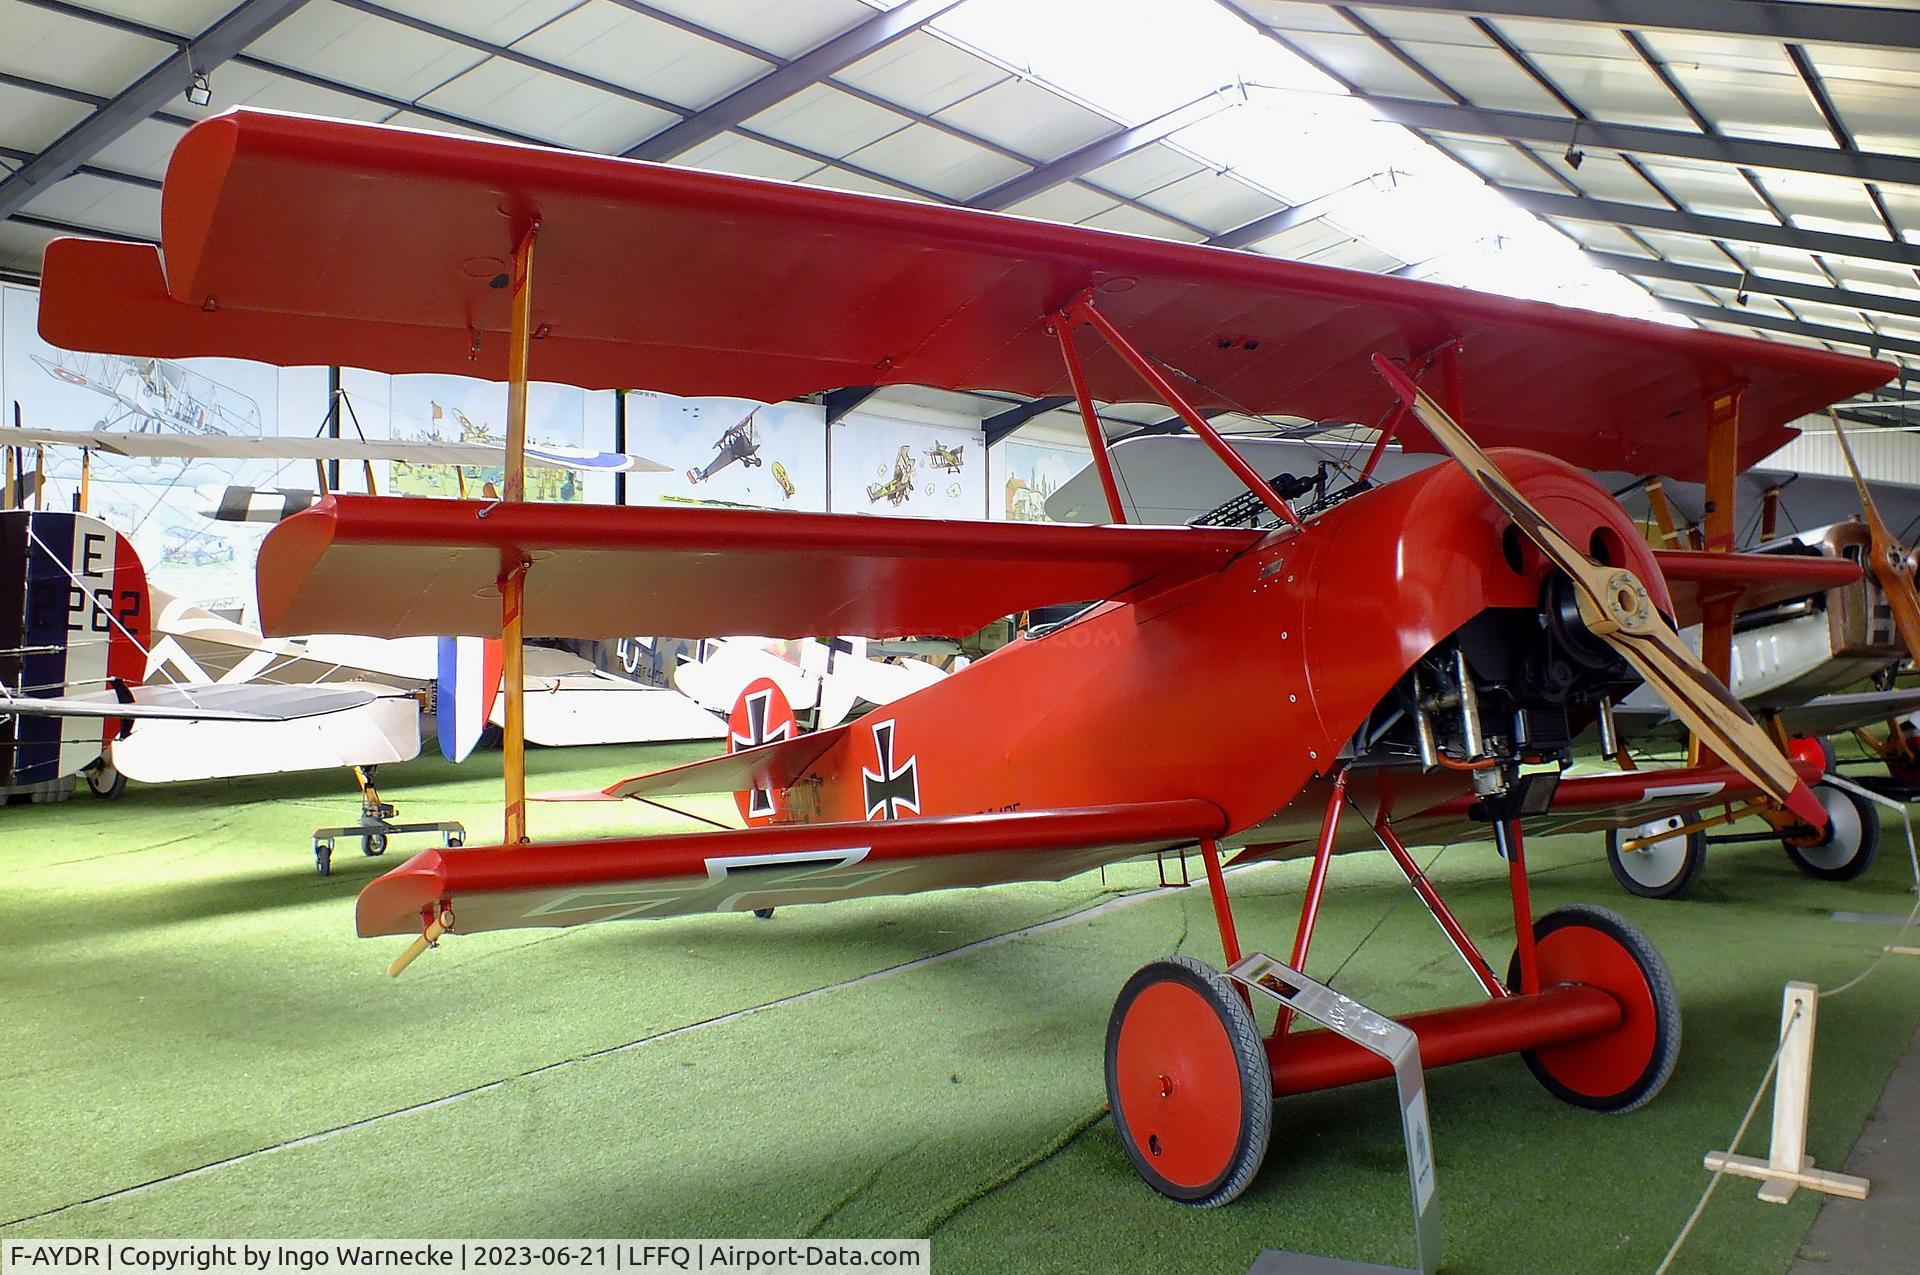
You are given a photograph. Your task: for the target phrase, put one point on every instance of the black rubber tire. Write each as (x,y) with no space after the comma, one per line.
(1671,874)
(765,914)
(107,788)
(374,846)
(1256,1078)
(323,861)
(1852,837)
(1666,1008)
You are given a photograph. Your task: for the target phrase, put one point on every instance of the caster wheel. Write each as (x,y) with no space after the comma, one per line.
(1188,1082)
(323,860)
(455,841)
(1845,847)
(104,781)
(1623,1068)
(765,914)
(374,846)
(1663,870)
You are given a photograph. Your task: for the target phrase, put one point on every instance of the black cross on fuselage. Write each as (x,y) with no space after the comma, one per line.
(890,791)
(761,801)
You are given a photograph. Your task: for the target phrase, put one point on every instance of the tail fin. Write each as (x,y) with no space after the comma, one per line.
(760,716)
(75,619)
(469,682)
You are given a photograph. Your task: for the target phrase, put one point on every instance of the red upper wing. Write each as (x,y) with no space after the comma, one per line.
(391,566)
(302,241)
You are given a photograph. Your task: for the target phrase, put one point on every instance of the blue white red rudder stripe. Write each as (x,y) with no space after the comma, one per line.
(469,683)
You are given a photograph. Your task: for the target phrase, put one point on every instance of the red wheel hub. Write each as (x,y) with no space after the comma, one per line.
(1179,1085)
(1603,1065)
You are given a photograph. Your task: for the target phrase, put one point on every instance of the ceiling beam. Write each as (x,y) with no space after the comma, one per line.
(1787,20)
(1877,342)
(783,82)
(1001,424)
(1101,151)
(226,37)
(846,399)
(1733,281)
(1584,208)
(1558,130)
(1252,232)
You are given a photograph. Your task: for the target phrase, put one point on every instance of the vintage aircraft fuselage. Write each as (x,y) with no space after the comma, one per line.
(1246,684)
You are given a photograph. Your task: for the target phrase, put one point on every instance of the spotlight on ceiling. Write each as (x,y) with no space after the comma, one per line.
(200,89)
(1575,157)
(1740,290)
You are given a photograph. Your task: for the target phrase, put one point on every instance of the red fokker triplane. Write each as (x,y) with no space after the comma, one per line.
(1395,663)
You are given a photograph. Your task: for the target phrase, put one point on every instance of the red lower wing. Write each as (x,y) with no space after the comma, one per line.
(573,884)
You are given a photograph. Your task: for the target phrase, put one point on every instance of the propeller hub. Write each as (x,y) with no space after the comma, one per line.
(1624,605)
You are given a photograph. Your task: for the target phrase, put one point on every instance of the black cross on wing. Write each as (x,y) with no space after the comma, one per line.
(890,791)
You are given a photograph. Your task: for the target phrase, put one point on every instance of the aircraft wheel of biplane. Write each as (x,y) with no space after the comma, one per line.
(374,845)
(1845,848)
(103,780)
(1621,1069)
(1663,869)
(1188,1082)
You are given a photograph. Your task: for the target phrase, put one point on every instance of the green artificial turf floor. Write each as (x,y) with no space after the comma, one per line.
(192,1042)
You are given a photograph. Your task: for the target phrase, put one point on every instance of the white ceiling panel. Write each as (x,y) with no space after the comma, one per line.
(1485,76)
(860,183)
(1355,255)
(923,73)
(188,17)
(1212,200)
(732,153)
(72,53)
(1360,61)
(1874,276)
(652,57)
(1904,203)
(1135,221)
(428,124)
(1302,241)
(1029,118)
(495,21)
(936,161)
(21,246)
(237,84)
(95,201)
(1748,88)
(142,150)
(30,121)
(1877,105)
(1715,189)
(1497,162)
(777,26)
(1602,238)
(528,101)
(1603,175)
(825,120)
(1837,200)
(374,53)
(1068,202)
(1778,263)
(1289,15)
(1620,89)
(1144,171)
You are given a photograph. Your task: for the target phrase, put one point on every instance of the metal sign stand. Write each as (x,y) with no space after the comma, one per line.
(1380,1035)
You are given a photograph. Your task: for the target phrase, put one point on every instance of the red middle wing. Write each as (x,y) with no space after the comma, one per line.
(572,884)
(396,567)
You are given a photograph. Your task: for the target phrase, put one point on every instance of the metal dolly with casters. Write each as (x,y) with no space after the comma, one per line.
(375,826)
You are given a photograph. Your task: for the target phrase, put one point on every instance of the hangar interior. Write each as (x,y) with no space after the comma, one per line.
(200,1045)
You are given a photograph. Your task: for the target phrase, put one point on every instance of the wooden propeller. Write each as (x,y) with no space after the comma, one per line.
(1616,608)
(1891,562)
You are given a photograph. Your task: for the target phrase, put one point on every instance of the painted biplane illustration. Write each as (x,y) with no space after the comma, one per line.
(1402,662)
(941,456)
(155,395)
(740,443)
(898,489)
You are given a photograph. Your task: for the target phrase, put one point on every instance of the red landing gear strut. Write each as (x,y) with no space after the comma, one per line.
(1587,1002)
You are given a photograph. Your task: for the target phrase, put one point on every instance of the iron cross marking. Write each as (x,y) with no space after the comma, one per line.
(761,801)
(890,791)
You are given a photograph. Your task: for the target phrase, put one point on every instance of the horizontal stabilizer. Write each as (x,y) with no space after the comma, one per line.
(574,883)
(1749,580)
(613,570)
(240,702)
(774,766)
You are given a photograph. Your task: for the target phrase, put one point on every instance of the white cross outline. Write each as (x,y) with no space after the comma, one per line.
(814,865)
(760,800)
(883,754)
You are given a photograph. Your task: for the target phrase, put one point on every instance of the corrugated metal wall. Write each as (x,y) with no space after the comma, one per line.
(1885,455)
